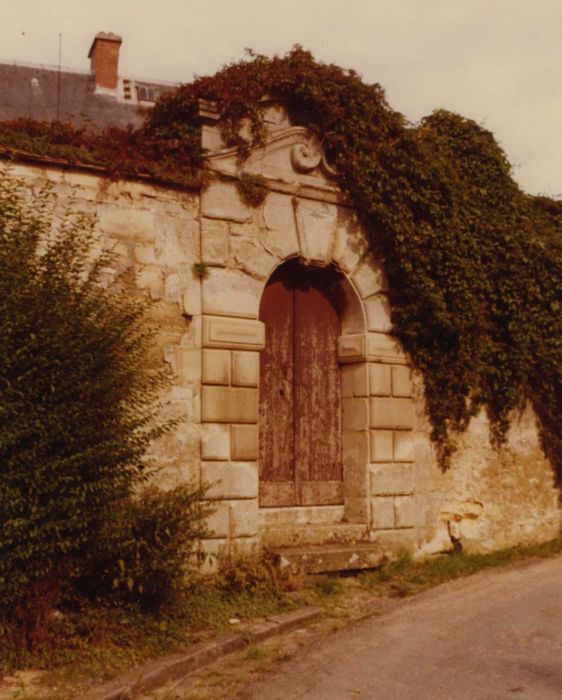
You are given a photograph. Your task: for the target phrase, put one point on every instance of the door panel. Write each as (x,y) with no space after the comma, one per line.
(276,415)
(300,431)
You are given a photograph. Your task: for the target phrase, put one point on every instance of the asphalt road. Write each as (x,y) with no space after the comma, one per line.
(494,636)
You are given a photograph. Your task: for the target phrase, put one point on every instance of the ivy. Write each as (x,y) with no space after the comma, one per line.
(474,263)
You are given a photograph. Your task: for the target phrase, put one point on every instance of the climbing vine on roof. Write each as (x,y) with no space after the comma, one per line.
(474,264)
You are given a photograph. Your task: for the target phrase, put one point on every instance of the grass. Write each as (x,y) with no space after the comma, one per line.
(93,643)
(405,576)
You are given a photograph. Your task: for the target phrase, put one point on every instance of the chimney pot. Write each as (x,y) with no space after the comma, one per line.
(104,59)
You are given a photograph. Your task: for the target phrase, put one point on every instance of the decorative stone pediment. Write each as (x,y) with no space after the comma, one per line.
(291,154)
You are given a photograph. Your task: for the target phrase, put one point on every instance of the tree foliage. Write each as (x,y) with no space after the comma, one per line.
(77,400)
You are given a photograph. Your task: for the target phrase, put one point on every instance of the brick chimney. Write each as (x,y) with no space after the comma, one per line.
(104,59)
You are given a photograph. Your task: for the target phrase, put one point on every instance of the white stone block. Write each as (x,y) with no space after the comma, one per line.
(350,242)
(231,293)
(355,414)
(244,518)
(152,279)
(403,446)
(280,236)
(244,441)
(220,200)
(401,381)
(384,347)
(245,368)
(352,348)
(214,242)
(230,479)
(380,382)
(251,257)
(382,509)
(378,313)
(215,441)
(369,277)
(381,446)
(347,374)
(392,413)
(216,367)
(392,479)
(243,334)
(188,365)
(405,509)
(316,224)
(218,522)
(229,405)
(126,222)
(361,379)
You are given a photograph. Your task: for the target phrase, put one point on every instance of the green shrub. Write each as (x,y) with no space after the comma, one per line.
(77,400)
(146,550)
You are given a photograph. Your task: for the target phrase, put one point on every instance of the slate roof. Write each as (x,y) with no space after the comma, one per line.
(32,91)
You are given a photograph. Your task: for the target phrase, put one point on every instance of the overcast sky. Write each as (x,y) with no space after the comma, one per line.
(496,61)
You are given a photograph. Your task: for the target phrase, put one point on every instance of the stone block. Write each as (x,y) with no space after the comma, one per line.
(403,446)
(252,257)
(350,242)
(151,278)
(392,479)
(405,510)
(361,379)
(244,518)
(172,288)
(357,509)
(369,277)
(316,224)
(126,222)
(379,379)
(401,381)
(215,441)
(396,542)
(213,552)
(381,446)
(280,236)
(382,512)
(352,348)
(355,451)
(188,365)
(218,522)
(244,441)
(231,293)
(355,414)
(245,368)
(378,313)
(220,200)
(347,375)
(384,347)
(229,405)
(214,242)
(216,367)
(145,255)
(227,480)
(191,297)
(392,413)
(243,334)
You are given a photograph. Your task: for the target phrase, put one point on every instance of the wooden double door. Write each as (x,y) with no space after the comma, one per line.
(300,389)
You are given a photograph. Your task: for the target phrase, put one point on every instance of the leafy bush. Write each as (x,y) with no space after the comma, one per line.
(145,552)
(77,400)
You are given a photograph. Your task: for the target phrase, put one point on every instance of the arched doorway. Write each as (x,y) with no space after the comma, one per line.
(300,388)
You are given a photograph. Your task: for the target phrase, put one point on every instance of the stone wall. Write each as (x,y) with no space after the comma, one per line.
(209,337)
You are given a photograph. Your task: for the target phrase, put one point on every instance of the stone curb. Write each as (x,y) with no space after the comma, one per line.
(155,674)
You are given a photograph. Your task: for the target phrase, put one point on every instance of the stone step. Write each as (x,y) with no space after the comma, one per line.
(301,515)
(296,535)
(331,558)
